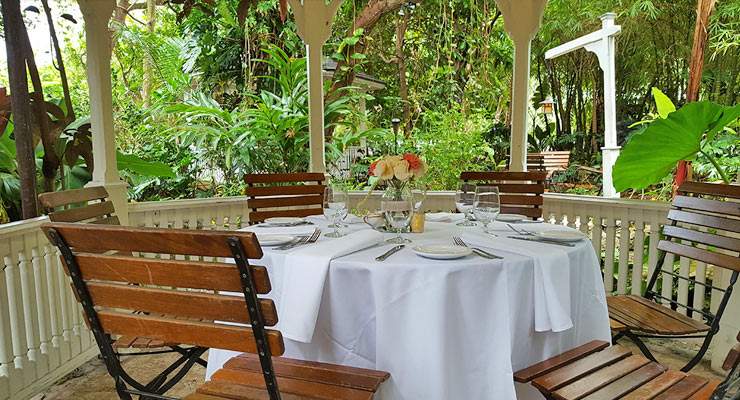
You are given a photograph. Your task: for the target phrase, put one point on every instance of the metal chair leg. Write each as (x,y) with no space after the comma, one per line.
(641,345)
(704,347)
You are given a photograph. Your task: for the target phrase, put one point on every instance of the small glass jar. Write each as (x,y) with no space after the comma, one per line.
(417,222)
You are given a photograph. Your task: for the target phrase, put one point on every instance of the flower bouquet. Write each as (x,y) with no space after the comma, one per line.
(397,171)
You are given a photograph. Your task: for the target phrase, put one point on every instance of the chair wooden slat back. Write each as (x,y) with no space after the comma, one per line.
(703,224)
(520,192)
(89,205)
(284,195)
(173,299)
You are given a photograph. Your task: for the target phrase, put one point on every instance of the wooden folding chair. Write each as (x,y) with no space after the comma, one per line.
(284,195)
(700,218)
(91,205)
(520,192)
(597,371)
(180,296)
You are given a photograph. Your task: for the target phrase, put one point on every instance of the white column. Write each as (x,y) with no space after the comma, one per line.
(519,102)
(314,19)
(97,14)
(317,162)
(610,151)
(522,19)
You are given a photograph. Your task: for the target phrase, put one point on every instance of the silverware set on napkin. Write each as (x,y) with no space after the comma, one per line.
(301,240)
(530,236)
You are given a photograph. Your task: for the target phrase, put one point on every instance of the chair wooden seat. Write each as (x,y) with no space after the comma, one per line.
(596,371)
(616,326)
(241,378)
(642,315)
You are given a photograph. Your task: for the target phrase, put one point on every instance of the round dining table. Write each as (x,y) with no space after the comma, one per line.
(443,329)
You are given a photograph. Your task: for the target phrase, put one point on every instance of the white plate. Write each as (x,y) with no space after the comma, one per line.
(442,251)
(511,217)
(274,240)
(560,236)
(284,221)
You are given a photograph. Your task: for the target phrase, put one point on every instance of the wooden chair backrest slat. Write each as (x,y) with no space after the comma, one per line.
(284,195)
(713,206)
(180,303)
(89,238)
(295,177)
(205,334)
(52,200)
(699,237)
(151,271)
(709,221)
(80,205)
(711,189)
(520,192)
(79,214)
(698,254)
(177,309)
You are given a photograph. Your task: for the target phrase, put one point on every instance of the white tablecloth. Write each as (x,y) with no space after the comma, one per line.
(444,329)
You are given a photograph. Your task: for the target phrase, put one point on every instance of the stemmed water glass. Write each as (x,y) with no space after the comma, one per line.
(335,208)
(486,205)
(464,197)
(397,213)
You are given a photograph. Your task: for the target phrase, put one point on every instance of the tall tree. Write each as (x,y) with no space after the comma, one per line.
(704,10)
(20,104)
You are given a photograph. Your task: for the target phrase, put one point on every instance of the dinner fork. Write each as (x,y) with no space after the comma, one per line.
(302,240)
(458,241)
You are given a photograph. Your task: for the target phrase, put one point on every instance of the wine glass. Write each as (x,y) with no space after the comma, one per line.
(487,205)
(335,208)
(397,213)
(464,197)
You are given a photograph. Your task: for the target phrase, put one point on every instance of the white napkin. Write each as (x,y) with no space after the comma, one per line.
(280,230)
(551,278)
(304,273)
(444,217)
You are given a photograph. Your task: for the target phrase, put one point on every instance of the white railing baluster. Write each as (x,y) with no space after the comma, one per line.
(17,334)
(42,313)
(683,284)
(6,345)
(51,296)
(624,253)
(637,264)
(609,253)
(667,285)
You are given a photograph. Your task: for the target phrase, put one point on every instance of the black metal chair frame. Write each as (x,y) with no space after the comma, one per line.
(712,319)
(156,388)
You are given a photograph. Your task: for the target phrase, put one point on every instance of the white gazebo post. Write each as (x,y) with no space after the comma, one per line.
(97,15)
(602,43)
(314,20)
(522,19)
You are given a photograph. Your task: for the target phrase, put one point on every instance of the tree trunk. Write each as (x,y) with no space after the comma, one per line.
(704,10)
(20,105)
(366,20)
(403,88)
(146,86)
(70,112)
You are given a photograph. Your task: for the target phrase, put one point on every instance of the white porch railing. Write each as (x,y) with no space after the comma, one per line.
(42,333)
(43,336)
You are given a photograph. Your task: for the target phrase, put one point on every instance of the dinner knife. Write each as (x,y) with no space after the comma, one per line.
(535,239)
(390,252)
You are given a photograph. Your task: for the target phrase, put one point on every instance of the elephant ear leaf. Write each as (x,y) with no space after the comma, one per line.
(663,104)
(140,166)
(652,154)
(729,115)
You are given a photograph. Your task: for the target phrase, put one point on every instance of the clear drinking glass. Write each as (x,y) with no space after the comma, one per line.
(397,213)
(487,205)
(464,197)
(335,208)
